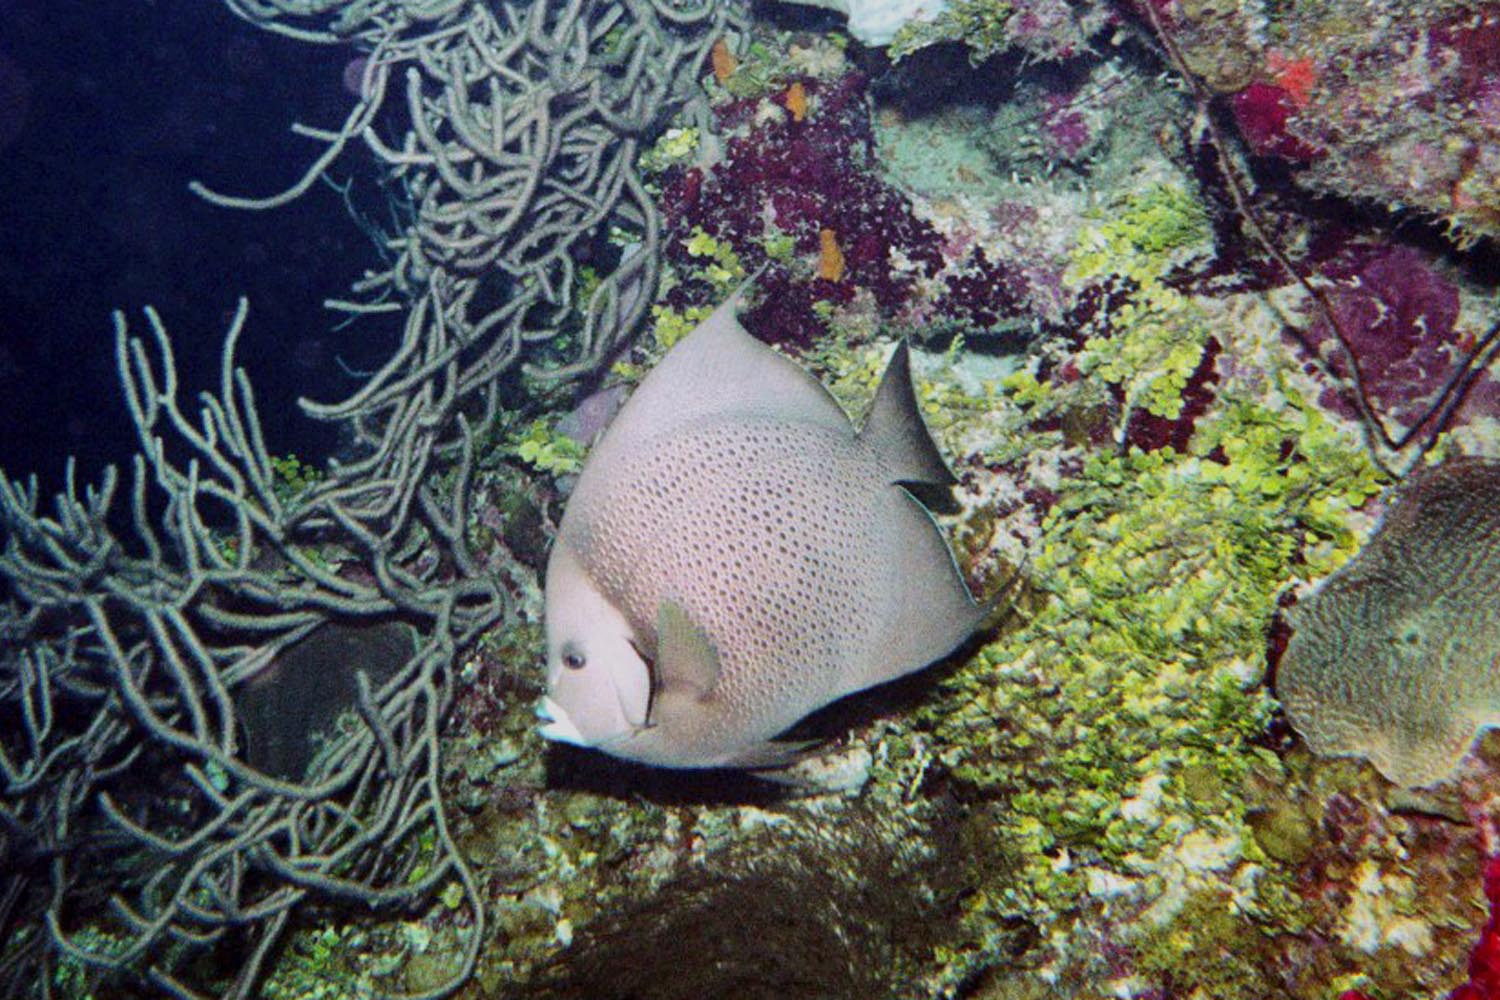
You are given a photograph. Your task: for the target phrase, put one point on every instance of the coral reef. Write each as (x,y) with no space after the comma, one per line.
(143,768)
(1484,961)
(876,22)
(1391,659)
(781,184)
(793,193)
(1399,315)
(847,908)
(1163,433)
(1163,461)
(1137,820)
(1399,111)
(1041,29)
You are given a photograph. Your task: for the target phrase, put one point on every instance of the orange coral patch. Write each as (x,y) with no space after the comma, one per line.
(796,101)
(1295,76)
(723,61)
(830,257)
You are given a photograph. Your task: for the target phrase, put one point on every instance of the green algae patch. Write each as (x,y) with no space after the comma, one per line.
(1152,337)
(1137,233)
(546,449)
(979,24)
(1113,724)
(1209,946)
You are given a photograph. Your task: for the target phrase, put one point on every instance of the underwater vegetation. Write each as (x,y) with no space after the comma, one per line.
(1200,304)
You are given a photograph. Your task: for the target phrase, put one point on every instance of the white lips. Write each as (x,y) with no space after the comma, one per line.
(558,726)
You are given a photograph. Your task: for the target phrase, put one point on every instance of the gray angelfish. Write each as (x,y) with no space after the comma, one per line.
(735,555)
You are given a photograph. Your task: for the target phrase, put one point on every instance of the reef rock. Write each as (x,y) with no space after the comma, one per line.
(875,22)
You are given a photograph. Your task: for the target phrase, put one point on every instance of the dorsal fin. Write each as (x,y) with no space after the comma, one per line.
(894,428)
(719,369)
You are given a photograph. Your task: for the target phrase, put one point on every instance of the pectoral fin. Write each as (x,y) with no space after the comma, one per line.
(687,665)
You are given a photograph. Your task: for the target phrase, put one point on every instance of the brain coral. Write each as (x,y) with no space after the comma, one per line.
(1396,658)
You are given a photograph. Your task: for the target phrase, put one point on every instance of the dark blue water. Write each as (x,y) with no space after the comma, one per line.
(107,111)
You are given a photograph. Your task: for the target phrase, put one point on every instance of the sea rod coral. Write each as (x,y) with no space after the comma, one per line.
(125,651)
(136,612)
(524,124)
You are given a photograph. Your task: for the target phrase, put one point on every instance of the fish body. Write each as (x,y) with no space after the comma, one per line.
(735,555)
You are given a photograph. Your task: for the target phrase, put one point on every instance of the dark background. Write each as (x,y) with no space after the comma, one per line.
(107,111)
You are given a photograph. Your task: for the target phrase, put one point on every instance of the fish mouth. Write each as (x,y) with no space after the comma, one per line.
(559,727)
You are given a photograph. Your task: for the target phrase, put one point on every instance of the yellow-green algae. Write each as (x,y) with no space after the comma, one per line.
(540,445)
(1113,725)
(1156,334)
(979,24)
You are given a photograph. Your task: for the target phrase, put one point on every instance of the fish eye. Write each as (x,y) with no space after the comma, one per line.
(574,660)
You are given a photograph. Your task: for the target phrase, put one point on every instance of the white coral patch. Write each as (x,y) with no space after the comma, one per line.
(1145,806)
(1195,863)
(875,22)
(1374,919)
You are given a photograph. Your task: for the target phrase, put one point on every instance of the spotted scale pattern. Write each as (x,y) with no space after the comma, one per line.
(772,555)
